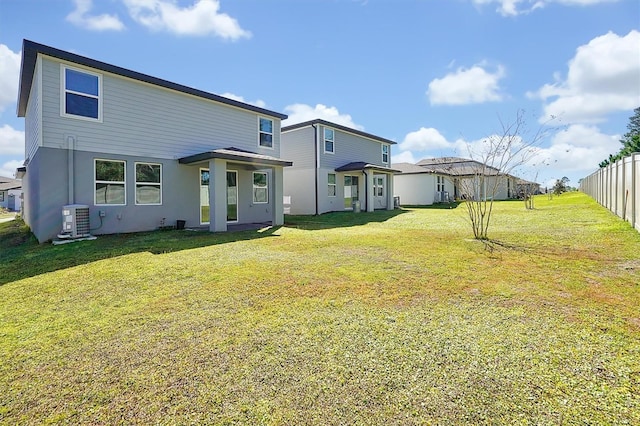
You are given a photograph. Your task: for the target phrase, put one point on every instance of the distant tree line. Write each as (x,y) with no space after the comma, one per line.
(630,141)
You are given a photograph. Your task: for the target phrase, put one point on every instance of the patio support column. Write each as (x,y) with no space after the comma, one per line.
(390,204)
(217,195)
(369,194)
(278,194)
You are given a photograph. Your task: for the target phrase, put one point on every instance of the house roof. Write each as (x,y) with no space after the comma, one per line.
(410,168)
(361,165)
(8,183)
(30,51)
(235,154)
(452,166)
(336,126)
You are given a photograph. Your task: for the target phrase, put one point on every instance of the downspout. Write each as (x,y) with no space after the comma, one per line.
(366,192)
(317,164)
(70,150)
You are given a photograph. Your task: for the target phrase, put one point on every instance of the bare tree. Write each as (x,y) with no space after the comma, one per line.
(494,163)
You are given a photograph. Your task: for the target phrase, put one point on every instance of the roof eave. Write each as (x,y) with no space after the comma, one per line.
(30,51)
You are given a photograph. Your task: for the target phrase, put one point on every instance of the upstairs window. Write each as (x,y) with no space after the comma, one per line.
(266,133)
(329,140)
(110,183)
(385,154)
(81,94)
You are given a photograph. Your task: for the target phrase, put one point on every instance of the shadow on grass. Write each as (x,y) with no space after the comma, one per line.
(435,206)
(22,257)
(339,219)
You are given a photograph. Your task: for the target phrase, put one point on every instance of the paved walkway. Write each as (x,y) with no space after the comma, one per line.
(7,219)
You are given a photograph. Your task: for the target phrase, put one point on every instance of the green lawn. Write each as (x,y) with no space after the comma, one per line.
(371,318)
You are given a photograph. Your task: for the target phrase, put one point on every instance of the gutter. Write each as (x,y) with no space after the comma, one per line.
(317,164)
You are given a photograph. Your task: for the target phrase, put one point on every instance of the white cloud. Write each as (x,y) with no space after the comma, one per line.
(299,113)
(11,141)
(81,17)
(518,7)
(404,157)
(425,139)
(9,76)
(467,86)
(259,102)
(8,169)
(576,151)
(602,78)
(200,19)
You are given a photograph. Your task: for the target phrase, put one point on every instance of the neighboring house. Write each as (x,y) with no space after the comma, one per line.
(418,186)
(336,168)
(525,188)
(456,178)
(10,194)
(140,151)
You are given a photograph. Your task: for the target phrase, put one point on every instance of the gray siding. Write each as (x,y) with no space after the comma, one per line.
(299,184)
(140,119)
(299,181)
(46,191)
(298,146)
(33,117)
(349,148)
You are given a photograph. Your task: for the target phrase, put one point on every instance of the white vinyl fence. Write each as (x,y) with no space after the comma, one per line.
(617,187)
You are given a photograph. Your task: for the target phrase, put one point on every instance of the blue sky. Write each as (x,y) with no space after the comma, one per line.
(436,76)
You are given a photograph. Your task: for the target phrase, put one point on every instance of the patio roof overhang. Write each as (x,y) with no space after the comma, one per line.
(359,166)
(237,156)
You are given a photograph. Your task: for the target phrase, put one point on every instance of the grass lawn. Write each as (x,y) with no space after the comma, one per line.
(371,318)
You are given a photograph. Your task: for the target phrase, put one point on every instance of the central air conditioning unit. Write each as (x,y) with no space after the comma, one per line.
(75,221)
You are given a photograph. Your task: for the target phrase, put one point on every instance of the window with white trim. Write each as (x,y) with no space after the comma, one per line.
(110,183)
(378,185)
(439,183)
(260,188)
(148,183)
(266,133)
(1,195)
(385,154)
(331,186)
(329,141)
(81,97)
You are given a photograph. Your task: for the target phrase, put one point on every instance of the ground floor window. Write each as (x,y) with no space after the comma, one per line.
(148,183)
(232,196)
(350,191)
(331,186)
(204,196)
(260,188)
(378,184)
(110,182)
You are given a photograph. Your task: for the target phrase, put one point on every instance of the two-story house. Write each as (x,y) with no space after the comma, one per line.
(336,168)
(141,151)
